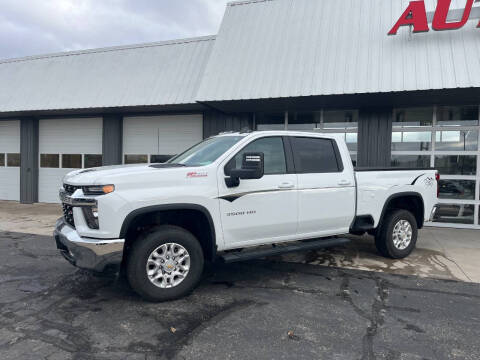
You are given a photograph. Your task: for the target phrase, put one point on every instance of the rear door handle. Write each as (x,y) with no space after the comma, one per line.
(286,185)
(344,182)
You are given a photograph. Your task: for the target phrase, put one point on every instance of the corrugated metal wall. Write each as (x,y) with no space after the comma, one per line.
(291,48)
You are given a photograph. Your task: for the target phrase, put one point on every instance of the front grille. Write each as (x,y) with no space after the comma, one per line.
(68,214)
(70,189)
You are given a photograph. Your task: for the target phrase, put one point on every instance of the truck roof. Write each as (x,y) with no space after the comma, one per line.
(283,133)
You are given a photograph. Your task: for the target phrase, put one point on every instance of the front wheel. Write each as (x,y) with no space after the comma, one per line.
(165,263)
(397,235)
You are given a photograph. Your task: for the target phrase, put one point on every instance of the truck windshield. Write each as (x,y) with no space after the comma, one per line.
(206,152)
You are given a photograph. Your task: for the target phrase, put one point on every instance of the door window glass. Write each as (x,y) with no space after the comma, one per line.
(314,155)
(273,154)
(2,159)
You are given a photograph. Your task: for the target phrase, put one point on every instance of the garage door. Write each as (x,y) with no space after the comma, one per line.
(10,160)
(66,145)
(152,139)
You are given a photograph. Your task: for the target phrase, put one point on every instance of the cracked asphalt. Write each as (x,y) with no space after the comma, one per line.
(265,309)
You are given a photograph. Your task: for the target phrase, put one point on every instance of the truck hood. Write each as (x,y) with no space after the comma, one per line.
(109,174)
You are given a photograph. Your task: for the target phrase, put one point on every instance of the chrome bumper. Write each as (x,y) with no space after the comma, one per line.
(92,254)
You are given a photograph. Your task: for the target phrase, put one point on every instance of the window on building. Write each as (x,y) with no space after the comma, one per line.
(136,159)
(2,159)
(270,121)
(448,141)
(13,160)
(92,160)
(456,140)
(457,115)
(314,155)
(455,214)
(417,116)
(457,189)
(340,119)
(304,120)
(411,141)
(411,161)
(49,160)
(71,161)
(160,158)
(273,155)
(456,164)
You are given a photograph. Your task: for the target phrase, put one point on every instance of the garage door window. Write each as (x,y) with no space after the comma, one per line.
(13,160)
(446,138)
(93,160)
(136,159)
(49,160)
(71,161)
(2,159)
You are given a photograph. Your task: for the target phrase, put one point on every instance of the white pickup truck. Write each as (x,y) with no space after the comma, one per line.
(233,197)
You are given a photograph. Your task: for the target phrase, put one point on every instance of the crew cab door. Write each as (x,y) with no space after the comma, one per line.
(326,188)
(259,210)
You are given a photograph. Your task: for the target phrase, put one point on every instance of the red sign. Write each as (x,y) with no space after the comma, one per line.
(416,16)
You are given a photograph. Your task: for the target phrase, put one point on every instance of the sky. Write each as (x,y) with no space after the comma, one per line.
(33,27)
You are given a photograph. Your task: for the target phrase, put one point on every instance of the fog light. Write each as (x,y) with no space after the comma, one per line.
(91,216)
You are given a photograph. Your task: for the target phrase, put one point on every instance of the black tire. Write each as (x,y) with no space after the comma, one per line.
(145,245)
(384,235)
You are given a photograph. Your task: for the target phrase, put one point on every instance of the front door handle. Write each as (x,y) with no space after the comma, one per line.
(344,182)
(286,185)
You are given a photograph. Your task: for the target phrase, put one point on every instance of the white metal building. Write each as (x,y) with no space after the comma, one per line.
(407,100)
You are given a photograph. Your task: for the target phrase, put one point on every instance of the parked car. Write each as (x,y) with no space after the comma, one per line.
(230,194)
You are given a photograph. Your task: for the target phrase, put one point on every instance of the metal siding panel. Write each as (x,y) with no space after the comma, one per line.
(164,73)
(163,135)
(71,136)
(304,47)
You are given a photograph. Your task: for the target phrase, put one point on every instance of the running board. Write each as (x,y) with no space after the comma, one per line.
(282,249)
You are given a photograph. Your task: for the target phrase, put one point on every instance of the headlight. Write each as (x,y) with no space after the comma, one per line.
(98,189)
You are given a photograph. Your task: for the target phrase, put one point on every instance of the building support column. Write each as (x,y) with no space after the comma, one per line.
(112,140)
(374,138)
(28,160)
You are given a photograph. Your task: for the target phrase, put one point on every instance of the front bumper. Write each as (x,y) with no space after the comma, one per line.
(86,253)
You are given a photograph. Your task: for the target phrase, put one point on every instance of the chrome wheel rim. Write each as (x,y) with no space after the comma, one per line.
(168,265)
(402,234)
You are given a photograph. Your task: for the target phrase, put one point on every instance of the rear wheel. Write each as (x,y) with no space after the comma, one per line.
(165,263)
(397,235)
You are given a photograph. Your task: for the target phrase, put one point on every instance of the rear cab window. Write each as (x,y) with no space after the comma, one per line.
(316,155)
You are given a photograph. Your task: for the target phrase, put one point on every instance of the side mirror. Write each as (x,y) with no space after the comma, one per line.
(252,168)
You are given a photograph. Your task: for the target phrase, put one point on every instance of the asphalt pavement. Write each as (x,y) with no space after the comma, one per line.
(266,309)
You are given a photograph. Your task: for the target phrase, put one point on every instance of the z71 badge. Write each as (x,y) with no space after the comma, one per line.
(428,181)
